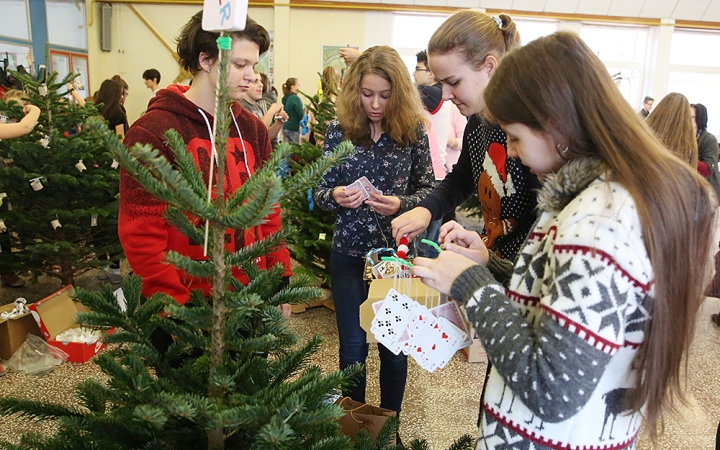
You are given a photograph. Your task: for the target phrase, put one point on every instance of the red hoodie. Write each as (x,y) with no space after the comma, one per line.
(146,235)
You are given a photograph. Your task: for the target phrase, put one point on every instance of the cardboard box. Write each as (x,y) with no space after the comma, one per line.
(412,287)
(14,331)
(55,314)
(475,353)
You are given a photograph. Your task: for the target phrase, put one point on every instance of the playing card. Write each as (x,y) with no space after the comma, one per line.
(452,313)
(359,187)
(392,318)
(368,186)
(421,321)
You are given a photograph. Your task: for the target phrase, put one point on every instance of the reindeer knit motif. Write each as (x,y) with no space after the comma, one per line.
(563,335)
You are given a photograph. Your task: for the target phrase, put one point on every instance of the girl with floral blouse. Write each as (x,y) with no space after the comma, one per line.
(379,110)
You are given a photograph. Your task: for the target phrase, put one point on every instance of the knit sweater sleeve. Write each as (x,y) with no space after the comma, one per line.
(143,229)
(553,360)
(457,187)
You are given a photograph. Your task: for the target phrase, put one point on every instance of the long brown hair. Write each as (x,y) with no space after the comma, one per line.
(330,81)
(671,120)
(557,85)
(403,114)
(287,87)
(476,35)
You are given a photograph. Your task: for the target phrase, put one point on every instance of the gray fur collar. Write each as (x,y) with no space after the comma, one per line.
(561,187)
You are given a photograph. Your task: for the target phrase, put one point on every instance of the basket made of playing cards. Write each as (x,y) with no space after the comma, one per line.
(376,268)
(430,336)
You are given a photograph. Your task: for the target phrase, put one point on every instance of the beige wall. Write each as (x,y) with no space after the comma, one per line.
(298,44)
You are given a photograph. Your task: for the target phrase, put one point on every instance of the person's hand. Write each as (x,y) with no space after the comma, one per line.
(453,237)
(387,205)
(440,273)
(286,310)
(275,108)
(349,55)
(411,223)
(350,198)
(31,109)
(283,116)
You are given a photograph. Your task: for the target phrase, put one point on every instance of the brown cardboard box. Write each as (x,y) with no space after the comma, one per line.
(475,353)
(55,314)
(412,287)
(14,331)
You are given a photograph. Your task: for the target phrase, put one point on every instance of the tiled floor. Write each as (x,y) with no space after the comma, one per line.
(440,406)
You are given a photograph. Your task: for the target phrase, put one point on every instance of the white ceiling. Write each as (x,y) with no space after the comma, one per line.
(696,10)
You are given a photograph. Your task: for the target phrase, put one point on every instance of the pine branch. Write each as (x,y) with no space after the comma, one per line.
(177,217)
(200,269)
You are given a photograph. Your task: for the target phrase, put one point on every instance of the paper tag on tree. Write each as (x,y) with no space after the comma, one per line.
(93,220)
(224,15)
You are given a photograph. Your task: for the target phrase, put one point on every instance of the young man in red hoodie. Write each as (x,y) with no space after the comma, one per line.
(145,234)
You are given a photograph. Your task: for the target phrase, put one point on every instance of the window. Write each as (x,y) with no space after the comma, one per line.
(623,50)
(15,23)
(66,23)
(695,71)
(532,29)
(17,55)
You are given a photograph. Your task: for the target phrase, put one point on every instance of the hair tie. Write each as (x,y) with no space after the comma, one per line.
(498,21)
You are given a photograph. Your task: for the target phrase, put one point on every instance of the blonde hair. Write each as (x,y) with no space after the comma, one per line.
(671,120)
(14,95)
(403,114)
(476,35)
(557,85)
(330,81)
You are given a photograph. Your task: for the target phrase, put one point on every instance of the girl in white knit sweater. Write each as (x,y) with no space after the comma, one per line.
(596,316)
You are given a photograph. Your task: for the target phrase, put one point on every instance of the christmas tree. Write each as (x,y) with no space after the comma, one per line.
(61,185)
(311,245)
(236,377)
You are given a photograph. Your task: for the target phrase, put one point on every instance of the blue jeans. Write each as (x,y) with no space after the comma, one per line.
(431,233)
(349,292)
(292,136)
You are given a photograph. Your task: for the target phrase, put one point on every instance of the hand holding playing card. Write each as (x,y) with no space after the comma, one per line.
(348,198)
(387,205)
(455,238)
(440,273)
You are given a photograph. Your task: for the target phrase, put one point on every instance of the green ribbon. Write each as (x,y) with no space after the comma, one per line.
(224,42)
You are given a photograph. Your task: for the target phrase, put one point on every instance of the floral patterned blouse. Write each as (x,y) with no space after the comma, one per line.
(405,172)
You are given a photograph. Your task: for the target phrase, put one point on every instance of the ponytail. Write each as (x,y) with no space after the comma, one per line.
(287,87)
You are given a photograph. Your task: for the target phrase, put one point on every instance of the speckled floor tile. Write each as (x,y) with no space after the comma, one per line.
(440,406)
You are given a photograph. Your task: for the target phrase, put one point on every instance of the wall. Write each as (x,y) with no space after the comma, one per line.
(298,46)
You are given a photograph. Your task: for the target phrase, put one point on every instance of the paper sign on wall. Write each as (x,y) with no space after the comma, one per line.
(224,15)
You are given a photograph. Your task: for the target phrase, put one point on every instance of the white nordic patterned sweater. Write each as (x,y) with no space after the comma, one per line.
(562,337)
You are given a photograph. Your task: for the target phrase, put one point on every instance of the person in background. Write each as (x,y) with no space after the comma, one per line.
(330,80)
(109,97)
(151,78)
(294,108)
(464,53)
(445,120)
(379,111)
(599,310)
(24,126)
(673,125)
(125,90)
(646,107)
(270,94)
(145,233)
(273,116)
(707,146)
(8,277)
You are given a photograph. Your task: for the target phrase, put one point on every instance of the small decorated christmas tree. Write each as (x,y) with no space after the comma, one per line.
(61,184)
(311,245)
